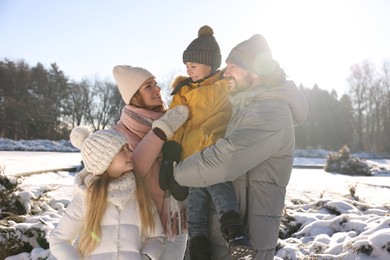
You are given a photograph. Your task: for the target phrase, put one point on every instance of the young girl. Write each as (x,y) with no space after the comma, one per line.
(111,215)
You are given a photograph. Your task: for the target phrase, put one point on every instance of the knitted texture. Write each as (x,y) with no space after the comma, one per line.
(129,79)
(172,120)
(97,149)
(121,189)
(204,49)
(253,55)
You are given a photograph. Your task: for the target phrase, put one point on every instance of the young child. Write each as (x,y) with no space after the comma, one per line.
(205,92)
(112,215)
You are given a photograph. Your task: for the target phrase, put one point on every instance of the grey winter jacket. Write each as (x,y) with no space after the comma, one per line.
(257,151)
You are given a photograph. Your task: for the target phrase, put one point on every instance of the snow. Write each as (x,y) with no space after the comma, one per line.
(327,215)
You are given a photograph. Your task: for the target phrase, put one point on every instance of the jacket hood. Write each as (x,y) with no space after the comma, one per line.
(178,80)
(288,93)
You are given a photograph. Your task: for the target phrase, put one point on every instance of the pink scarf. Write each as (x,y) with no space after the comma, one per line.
(135,123)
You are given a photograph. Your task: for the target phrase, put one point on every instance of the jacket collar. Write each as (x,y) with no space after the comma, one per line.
(186,81)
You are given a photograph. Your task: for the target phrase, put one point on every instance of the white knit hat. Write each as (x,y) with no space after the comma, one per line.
(129,79)
(98,149)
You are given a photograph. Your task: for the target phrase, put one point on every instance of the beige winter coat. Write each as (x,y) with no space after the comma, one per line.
(257,152)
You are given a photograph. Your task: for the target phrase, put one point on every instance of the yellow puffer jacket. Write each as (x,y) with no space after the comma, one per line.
(210,111)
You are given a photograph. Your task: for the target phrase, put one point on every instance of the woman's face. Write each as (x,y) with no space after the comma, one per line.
(150,93)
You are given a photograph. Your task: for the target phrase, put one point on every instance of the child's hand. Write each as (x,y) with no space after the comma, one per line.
(167,182)
(171,155)
(179,192)
(171,151)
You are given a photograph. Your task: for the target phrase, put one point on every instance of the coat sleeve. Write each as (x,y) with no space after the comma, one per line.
(178,99)
(146,153)
(256,138)
(64,235)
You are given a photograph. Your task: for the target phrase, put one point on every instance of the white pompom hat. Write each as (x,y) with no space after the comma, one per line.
(97,149)
(129,79)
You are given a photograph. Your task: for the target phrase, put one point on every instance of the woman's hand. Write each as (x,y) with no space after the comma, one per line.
(171,120)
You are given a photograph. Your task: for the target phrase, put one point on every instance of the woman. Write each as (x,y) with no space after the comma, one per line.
(146,132)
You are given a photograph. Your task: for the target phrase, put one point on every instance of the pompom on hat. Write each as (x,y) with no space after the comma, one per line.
(129,79)
(253,55)
(97,149)
(204,49)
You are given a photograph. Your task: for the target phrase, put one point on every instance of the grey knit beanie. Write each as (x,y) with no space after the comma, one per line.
(253,55)
(204,49)
(97,149)
(129,79)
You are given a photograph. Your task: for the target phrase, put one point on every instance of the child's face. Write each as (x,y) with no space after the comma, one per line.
(197,71)
(150,93)
(122,162)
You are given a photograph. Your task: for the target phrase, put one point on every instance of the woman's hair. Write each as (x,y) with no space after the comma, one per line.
(96,205)
(137,101)
(146,206)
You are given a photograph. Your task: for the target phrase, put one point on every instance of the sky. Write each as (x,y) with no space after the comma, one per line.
(315,41)
(363,221)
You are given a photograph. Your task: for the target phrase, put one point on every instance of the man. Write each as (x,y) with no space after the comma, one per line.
(257,150)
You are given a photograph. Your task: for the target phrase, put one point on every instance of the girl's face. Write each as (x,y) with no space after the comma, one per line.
(150,93)
(197,71)
(122,162)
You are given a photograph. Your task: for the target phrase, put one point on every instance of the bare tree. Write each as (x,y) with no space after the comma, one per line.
(385,109)
(371,99)
(358,82)
(78,101)
(104,106)
(374,120)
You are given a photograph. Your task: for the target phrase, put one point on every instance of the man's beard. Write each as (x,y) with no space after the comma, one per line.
(244,83)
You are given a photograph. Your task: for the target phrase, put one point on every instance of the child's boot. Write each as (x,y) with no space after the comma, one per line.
(240,246)
(200,248)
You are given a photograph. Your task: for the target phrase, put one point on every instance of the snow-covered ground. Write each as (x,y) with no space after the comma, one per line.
(327,215)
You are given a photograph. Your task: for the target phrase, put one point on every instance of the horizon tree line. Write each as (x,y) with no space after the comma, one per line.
(42,103)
